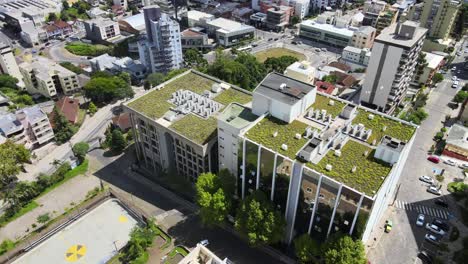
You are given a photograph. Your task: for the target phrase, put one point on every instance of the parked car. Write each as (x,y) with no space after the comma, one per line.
(454,78)
(441,224)
(420,220)
(204,242)
(459,53)
(435,229)
(441,202)
(434,159)
(431,238)
(426,179)
(294,42)
(317,49)
(425,257)
(324,49)
(454,68)
(463,166)
(450,162)
(434,190)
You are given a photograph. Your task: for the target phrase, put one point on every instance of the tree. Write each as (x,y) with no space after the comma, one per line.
(295,20)
(92,109)
(306,248)
(416,116)
(65,5)
(258,220)
(146,85)
(8,81)
(193,57)
(438,77)
(345,250)
(105,89)
(460,97)
(214,205)
(80,149)
(12,156)
(279,64)
(118,142)
(63,129)
(155,79)
(43,218)
(52,17)
(330,78)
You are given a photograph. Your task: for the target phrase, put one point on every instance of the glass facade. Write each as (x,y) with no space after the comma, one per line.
(282,178)
(267,160)
(306,202)
(251,162)
(324,209)
(345,211)
(363,216)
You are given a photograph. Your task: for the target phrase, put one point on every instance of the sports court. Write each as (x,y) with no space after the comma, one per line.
(93,238)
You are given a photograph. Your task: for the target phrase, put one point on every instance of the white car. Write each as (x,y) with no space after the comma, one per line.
(420,220)
(431,238)
(434,190)
(204,242)
(450,162)
(426,179)
(435,229)
(463,166)
(454,78)
(454,68)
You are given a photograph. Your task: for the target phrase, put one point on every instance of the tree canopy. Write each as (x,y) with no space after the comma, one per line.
(12,156)
(80,149)
(8,81)
(104,89)
(63,129)
(279,64)
(438,77)
(193,57)
(258,220)
(345,250)
(118,141)
(306,248)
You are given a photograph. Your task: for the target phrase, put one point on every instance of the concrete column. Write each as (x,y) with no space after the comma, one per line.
(259,154)
(273,178)
(315,203)
(243,169)
(356,215)
(337,201)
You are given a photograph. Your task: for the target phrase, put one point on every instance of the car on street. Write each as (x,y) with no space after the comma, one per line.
(317,49)
(441,224)
(294,42)
(435,229)
(455,84)
(270,39)
(450,162)
(275,39)
(204,242)
(434,190)
(434,159)
(426,179)
(459,53)
(454,68)
(441,202)
(425,257)
(454,78)
(463,166)
(254,45)
(431,238)
(442,71)
(420,220)
(324,49)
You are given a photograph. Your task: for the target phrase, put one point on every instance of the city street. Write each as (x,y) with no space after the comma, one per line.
(406,240)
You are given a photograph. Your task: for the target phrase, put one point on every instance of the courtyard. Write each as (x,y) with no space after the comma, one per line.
(93,238)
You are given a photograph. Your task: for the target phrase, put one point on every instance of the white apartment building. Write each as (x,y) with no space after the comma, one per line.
(356,55)
(392,65)
(301,7)
(318,4)
(301,71)
(28,126)
(122,3)
(101,29)
(161,51)
(48,78)
(8,64)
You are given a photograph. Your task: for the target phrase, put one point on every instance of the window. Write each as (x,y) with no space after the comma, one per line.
(309,190)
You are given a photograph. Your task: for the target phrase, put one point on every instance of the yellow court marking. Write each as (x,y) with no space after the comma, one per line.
(74,253)
(123,219)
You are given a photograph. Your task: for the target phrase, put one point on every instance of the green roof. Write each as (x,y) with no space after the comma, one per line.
(154,105)
(394,128)
(369,171)
(262,133)
(321,102)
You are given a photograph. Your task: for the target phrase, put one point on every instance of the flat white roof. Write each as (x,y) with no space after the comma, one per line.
(433,60)
(226,25)
(197,15)
(302,67)
(329,28)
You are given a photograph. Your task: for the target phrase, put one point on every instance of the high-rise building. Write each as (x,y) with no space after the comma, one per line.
(438,16)
(161,50)
(8,64)
(392,65)
(379,14)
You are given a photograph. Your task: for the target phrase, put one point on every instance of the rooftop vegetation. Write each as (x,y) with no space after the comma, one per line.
(196,128)
(263,132)
(322,102)
(393,129)
(233,95)
(369,171)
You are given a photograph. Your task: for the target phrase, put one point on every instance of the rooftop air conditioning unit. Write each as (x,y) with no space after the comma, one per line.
(282,86)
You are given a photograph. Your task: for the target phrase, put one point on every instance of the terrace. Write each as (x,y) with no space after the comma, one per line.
(155,104)
(369,172)
(263,132)
(393,128)
(322,103)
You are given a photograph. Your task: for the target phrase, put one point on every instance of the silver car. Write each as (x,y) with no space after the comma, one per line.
(420,220)
(426,179)
(435,229)
(434,190)
(432,238)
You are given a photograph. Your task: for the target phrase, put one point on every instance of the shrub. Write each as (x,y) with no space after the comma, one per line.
(454,234)
(439,177)
(439,136)
(84,49)
(457,187)
(43,218)
(6,245)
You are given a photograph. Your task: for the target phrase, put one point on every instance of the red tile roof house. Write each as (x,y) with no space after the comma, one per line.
(122,121)
(69,107)
(58,28)
(325,87)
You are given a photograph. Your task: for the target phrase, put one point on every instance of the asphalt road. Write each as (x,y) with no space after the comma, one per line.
(406,239)
(58,53)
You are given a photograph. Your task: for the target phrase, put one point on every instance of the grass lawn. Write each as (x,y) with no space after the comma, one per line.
(164,236)
(278,52)
(172,257)
(233,95)
(262,133)
(369,171)
(394,129)
(321,102)
(72,67)
(85,49)
(80,169)
(26,209)
(81,116)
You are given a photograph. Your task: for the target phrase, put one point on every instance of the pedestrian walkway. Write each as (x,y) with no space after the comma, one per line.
(439,213)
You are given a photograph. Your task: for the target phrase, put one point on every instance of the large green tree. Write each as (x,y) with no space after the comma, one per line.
(306,248)
(258,220)
(103,89)
(155,78)
(345,250)
(118,141)
(8,81)
(63,129)
(80,149)
(12,156)
(212,199)
(193,57)
(279,64)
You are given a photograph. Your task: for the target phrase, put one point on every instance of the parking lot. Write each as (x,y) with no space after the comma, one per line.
(94,238)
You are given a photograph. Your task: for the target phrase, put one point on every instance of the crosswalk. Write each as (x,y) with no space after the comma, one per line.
(439,213)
